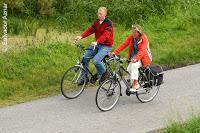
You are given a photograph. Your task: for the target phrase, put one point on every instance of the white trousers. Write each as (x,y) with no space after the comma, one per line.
(133,70)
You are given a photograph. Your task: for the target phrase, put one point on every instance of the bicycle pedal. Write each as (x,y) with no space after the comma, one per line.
(92,82)
(128,92)
(133,93)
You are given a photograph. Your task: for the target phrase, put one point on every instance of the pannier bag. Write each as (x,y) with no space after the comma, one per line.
(156,74)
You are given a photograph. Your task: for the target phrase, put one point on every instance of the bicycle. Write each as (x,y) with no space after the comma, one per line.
(109,91)
(70,87)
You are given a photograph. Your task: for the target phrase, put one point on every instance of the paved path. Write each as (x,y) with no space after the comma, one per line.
(178,98)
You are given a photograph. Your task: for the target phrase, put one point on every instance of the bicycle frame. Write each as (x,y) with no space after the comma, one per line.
(121,70)
(82,65)
(142,75)
(112,86)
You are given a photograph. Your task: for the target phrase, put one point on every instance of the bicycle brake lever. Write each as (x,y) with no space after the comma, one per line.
(94,47)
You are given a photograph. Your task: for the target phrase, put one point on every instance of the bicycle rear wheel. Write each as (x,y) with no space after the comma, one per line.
(70,83)
(148,93)
(108,94)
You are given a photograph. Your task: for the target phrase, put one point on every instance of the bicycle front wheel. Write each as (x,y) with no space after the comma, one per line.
(108,94)
(71,85)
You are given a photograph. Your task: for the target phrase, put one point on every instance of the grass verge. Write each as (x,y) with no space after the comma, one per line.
(190,126)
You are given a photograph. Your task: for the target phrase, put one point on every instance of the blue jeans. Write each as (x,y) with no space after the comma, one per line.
(98,54)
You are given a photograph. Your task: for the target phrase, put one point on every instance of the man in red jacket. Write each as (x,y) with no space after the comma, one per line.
(103,30)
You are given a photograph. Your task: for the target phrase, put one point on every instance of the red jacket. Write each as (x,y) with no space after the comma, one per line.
(103,32)
(143,54)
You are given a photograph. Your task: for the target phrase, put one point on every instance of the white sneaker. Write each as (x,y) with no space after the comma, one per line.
(134,89)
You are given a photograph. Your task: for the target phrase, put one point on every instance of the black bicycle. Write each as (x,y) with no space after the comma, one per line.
(109,91)
(70,82)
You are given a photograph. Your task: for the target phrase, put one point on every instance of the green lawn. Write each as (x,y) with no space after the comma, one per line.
(190,126)
(35,71)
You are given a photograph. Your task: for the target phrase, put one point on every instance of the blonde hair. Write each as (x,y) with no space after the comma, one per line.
(138,28)
(103,8)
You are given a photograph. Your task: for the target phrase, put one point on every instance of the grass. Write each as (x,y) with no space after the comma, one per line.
(33,73)
(190,126)
(28,26)
(36,71)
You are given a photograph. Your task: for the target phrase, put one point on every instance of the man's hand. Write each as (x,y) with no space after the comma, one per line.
(78,38)
(93,44)
(110,54)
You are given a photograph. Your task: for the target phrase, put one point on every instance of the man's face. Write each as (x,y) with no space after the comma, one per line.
(101,15)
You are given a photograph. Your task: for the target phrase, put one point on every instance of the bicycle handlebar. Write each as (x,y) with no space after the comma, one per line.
(117,58)
(82,47)
(114,57)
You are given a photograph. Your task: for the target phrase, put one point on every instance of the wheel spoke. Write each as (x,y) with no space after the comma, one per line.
(106,97)
(78,76)
(69,84)
(148,94)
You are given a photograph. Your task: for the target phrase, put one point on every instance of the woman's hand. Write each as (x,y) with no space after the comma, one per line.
(133,60)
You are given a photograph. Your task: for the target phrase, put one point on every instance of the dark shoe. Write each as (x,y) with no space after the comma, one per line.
(81,82)
(94,78)
(104,76)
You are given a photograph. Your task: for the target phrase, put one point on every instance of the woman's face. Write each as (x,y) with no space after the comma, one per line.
(135,33)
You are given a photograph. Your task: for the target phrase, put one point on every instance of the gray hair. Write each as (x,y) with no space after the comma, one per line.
(103,8)
(138,28)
